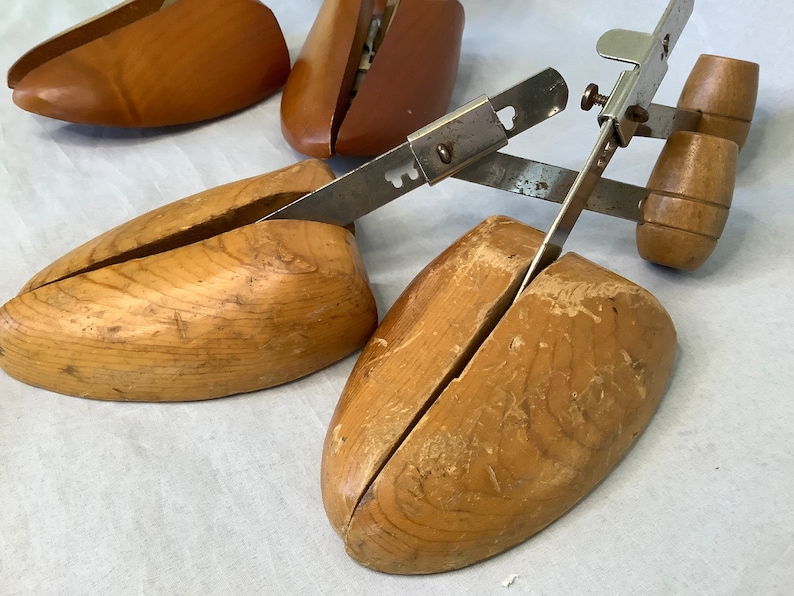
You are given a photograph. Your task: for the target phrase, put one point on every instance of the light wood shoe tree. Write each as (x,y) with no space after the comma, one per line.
(193,300)
(155,63)
(408,84)
(469,424)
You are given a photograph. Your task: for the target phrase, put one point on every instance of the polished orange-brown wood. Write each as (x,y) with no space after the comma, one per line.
(408,84)
(410,81)
(318,89)
(691,192)
(194,300)
(428,468)
(106,22)
(725,91)
(692,182)
(188,61)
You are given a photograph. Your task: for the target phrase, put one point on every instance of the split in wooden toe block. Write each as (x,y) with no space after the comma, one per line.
(469,424)
(195,300)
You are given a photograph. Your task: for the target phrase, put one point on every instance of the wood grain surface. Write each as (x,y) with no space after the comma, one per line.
(190,219)
(691,192)
(408,85)
(547,405)
(192,60)
(194,300)
(318,89)
(114,18)
(251,308)
(410,81)
(425,340)
(725,91)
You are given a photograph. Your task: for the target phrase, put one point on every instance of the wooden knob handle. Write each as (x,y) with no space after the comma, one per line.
(724,90)
(691,190)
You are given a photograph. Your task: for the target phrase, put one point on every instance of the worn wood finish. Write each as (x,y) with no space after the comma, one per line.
(189,220)
(424,341)
(248,309)
(411,78)
(691,191)
(725,91)
(318,89)
(193,300)
(408,85)
(190,61)
(551,401)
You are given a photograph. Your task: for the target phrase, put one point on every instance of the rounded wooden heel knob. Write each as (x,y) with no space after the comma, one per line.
(724,90)
(691,190)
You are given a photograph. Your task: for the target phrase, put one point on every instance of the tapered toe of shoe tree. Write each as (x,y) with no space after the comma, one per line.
(408,84)
(469,424)
(158,63)
(195,300)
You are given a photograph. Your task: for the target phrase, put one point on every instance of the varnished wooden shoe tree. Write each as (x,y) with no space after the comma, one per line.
(155,63)
(340,100)
(194,300)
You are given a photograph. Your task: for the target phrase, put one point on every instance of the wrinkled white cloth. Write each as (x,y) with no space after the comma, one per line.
(223,497)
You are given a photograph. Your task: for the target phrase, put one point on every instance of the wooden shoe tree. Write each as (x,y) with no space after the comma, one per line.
(158,63)
(467,426)
(338,101)
(509,379)
(194,300)
(207,297)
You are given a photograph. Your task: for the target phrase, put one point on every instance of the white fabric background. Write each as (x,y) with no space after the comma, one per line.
(222,497)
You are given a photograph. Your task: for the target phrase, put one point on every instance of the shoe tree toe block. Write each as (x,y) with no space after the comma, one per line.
(192,60)
(194,301)
(430,467)
(408,84)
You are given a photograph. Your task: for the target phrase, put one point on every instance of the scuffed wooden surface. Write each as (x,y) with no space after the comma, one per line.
(546,407)
(425,339)
(223,496)
(197,217)
(251,308)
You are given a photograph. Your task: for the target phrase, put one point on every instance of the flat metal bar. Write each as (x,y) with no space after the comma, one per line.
(665,120)
(625,108)
(551,183)
(359,192)
(533,103)
(397,172)
(574,203)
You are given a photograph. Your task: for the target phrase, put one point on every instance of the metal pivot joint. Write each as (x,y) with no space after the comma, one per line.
(629,103)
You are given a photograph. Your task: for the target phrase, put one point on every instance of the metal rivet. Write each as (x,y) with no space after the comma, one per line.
(444,154)
(639,114)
